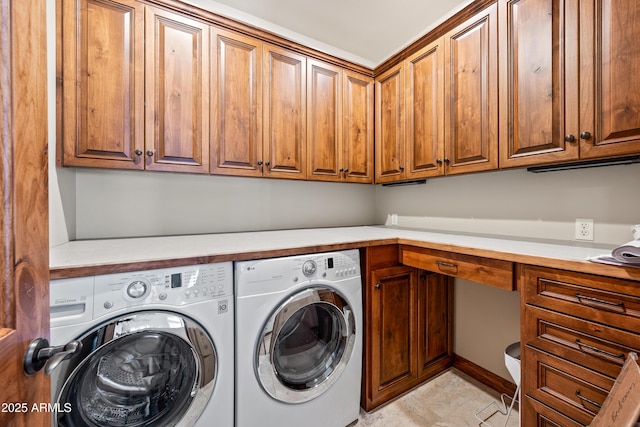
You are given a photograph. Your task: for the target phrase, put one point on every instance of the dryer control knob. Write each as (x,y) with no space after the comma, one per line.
(309,268)
(136,289)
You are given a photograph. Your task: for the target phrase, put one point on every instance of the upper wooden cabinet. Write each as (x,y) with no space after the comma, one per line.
(390,125)
(285,108)
(177,93)
(111,72)
(236,108)
(339,124)
(568,90)
(437,111)
(102,63)
(609,84)
(471,94)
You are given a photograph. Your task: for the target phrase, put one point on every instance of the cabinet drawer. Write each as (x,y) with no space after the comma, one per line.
(610,301)
(566,387)
(488,271)
(585,343)
(535,413)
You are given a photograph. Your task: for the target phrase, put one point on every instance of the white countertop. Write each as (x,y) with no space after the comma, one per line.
(93,253)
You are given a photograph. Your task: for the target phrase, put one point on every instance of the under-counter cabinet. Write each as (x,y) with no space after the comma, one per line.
(577,330)
(408,327)
(437,111)
(568,90)
(109,72)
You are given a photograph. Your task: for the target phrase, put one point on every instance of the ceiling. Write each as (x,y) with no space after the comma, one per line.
(370,30)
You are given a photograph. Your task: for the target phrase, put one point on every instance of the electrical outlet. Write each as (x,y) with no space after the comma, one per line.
(394,219)
(584,229)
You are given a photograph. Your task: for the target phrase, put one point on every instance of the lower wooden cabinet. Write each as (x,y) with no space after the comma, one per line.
(408,326)
(578,330)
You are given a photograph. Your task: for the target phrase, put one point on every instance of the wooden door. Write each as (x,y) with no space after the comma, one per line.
(435,318)
(539,87)
(102,72)
(610,88)
(285,107)
(177,93)
(24,247)
(389,136)
(357,128)
(425,111)
(236,106)
(471,95)
(324,124)
(393,322)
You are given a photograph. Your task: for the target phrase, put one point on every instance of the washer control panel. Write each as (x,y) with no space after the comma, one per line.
(175,286)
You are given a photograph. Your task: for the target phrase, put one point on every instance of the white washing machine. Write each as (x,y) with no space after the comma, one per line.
(156,348)
(299,340)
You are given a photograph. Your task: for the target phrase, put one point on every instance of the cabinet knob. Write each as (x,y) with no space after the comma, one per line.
(446,160)
(585,135)
(439,161)
(346,170)
(259,162)
(149,153)
(377,286)
(138,152)
(341,170)
(401,168)
(569,138)
(267,163)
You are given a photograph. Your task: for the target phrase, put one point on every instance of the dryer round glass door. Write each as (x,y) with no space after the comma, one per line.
(305,345)
(141,370)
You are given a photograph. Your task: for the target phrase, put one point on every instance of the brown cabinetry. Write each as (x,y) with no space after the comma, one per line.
(568,91)
(236,107)
(437,111)
(339,124)
(408,332)
(110,72)
(577,331)
(177,93)
(285,113)
(102,60)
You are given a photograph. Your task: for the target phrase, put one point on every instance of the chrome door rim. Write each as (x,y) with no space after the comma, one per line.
(202,353)
(266,368)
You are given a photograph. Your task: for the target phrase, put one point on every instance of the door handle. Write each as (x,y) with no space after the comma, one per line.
(40,355)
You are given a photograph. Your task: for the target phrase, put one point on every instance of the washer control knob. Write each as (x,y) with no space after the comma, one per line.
(162,296)
(136,289)
(108,305)
(309,268)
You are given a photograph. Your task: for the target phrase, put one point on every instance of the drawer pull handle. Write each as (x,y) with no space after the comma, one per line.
(583,346)
(447,267)
(618,307)
(589,401)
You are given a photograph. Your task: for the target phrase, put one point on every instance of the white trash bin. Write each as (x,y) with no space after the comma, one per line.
(512,362)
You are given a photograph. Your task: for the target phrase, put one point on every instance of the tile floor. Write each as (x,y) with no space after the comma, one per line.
(449,400)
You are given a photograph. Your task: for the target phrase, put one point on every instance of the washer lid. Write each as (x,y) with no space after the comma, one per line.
(305,345)
(144,369)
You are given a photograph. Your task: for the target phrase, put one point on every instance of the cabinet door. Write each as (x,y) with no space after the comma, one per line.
(390,125)
(539,87)
(236,110)
(393,362)
(177,93)
(425,111)
(434,322)
(357,129)
(471,100)
(285,106)
(103,83)
(610,88)
(324,127)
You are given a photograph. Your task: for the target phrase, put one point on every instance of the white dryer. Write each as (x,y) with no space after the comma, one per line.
(299,340)
(156,348)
